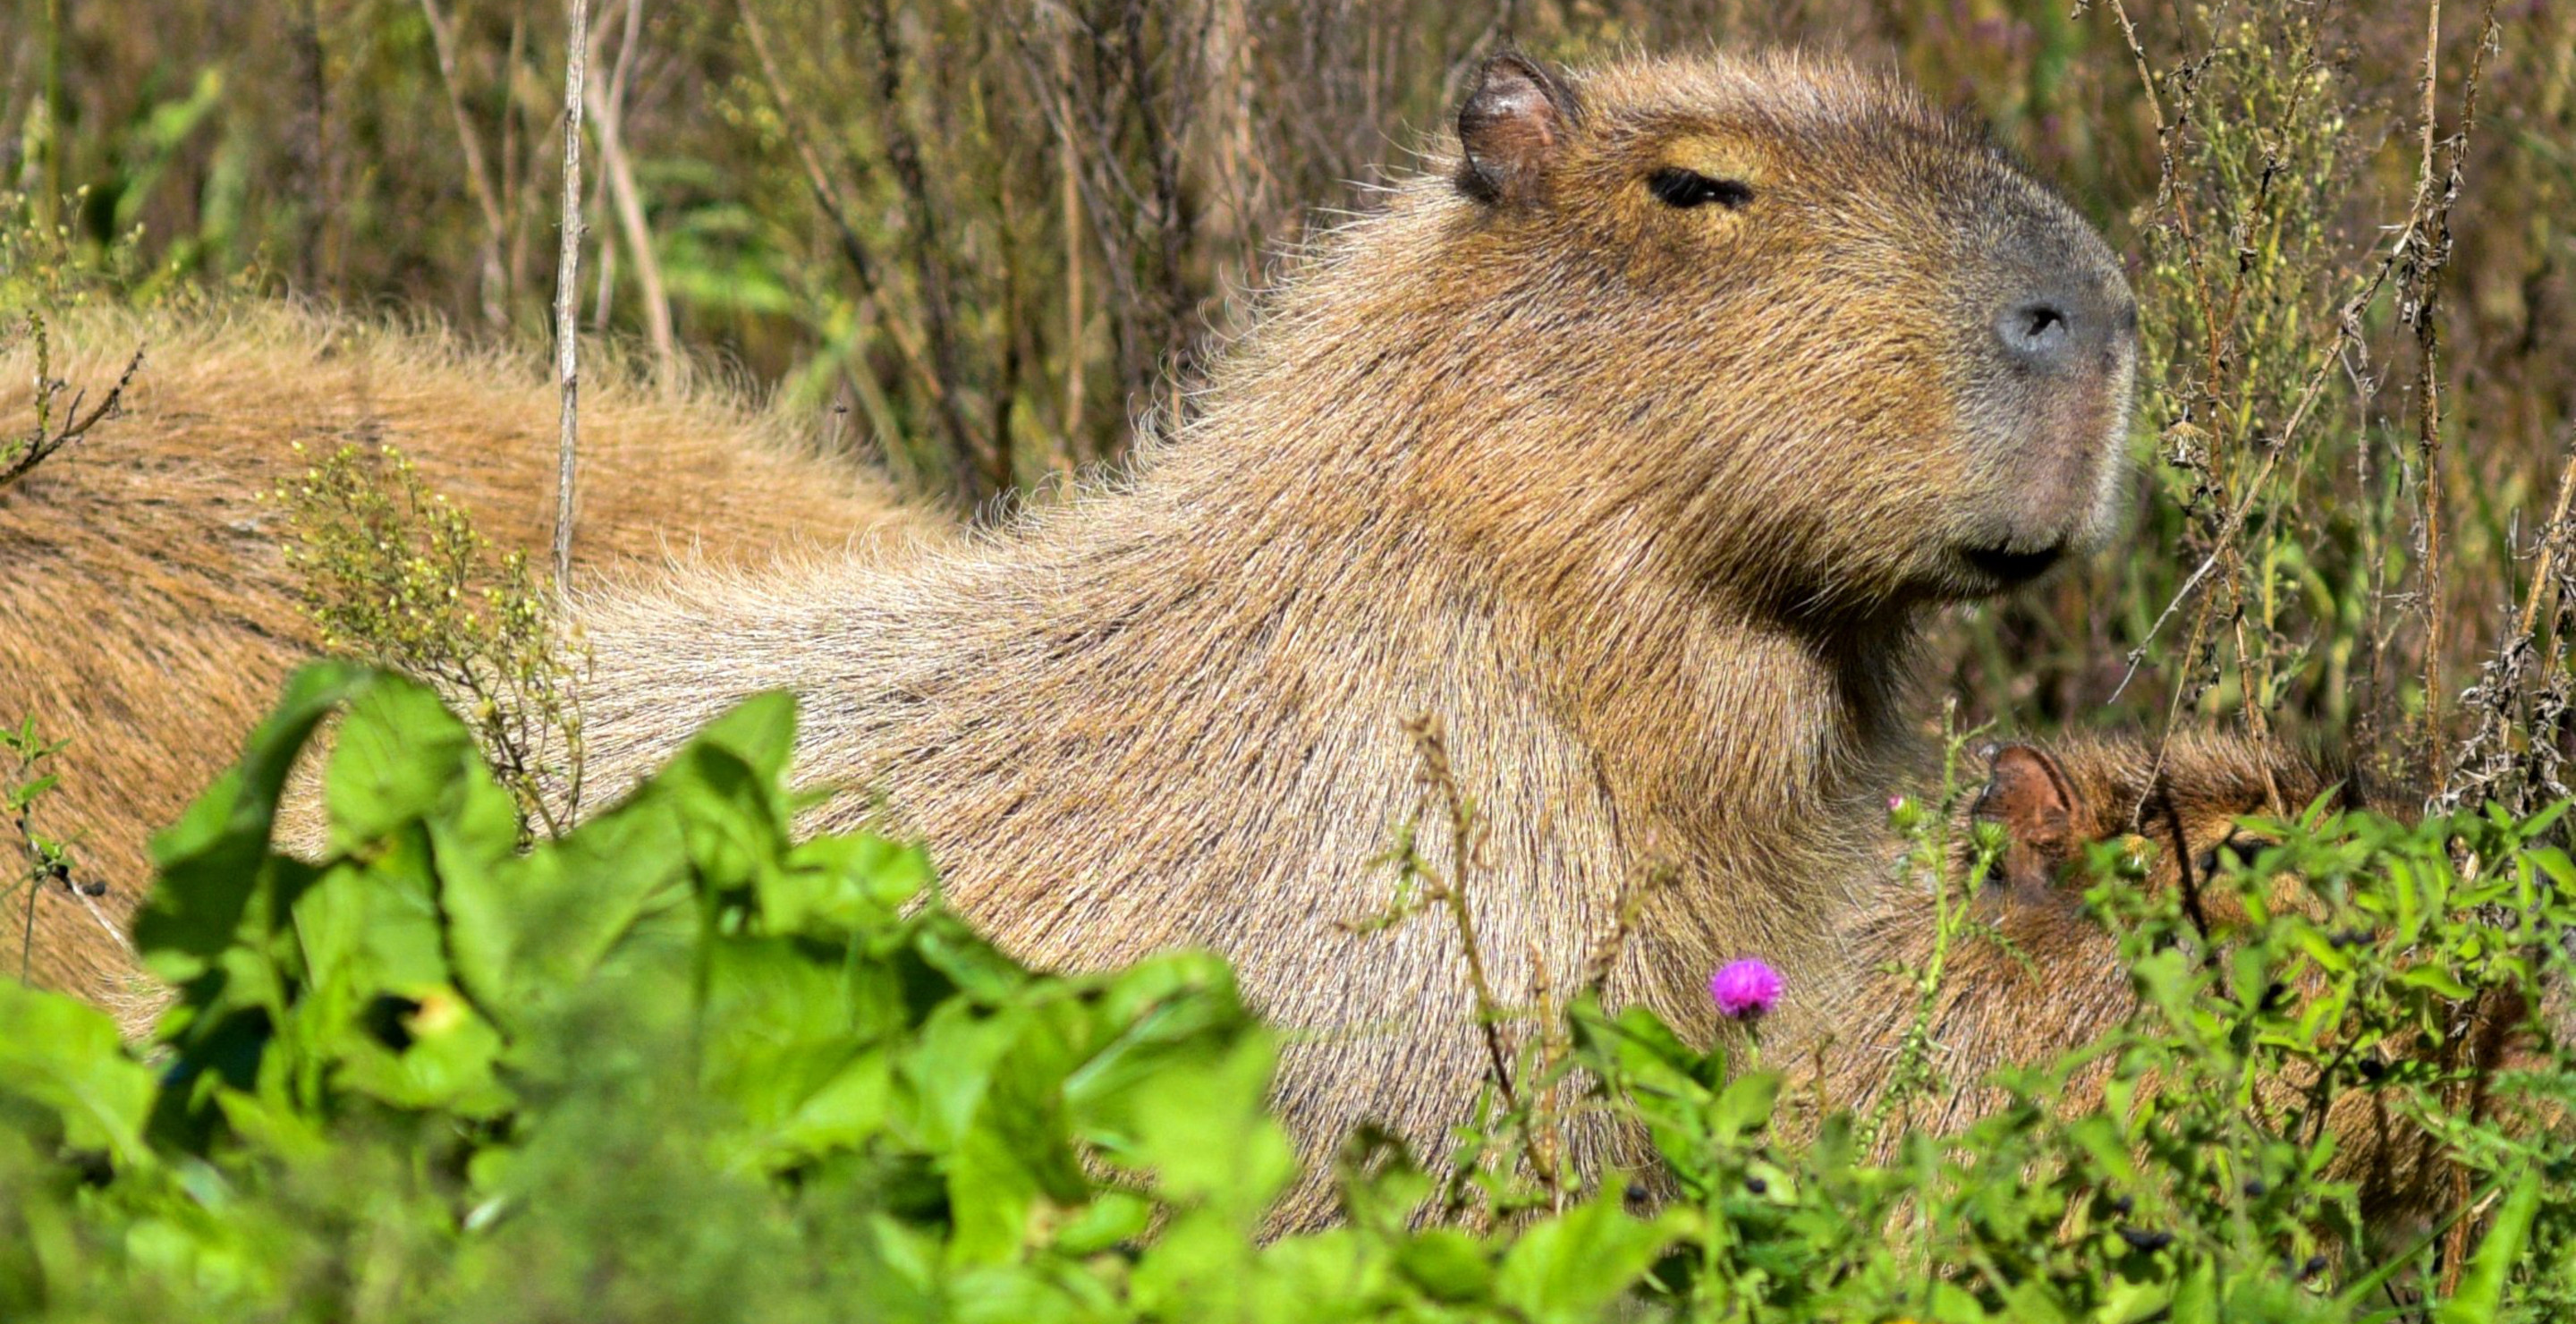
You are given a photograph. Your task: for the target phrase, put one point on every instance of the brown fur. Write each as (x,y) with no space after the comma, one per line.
(1993,1009)
(150,619)
(1642,504)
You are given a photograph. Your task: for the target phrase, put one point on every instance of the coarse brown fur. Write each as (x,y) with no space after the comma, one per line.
(146,611)
(2062,984)
(1641,503)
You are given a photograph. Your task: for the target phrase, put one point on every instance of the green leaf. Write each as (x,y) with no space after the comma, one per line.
(1111,1219)
(1206,1135)
(992,1191)
(446,1064)
(1745,1104)
(211,860)
(2196,1299)
(1447,1264)
(400,757)
(2481,1292)
(2434,979)
(1572,1266)
(531,927)
(65,1056)
(760,731)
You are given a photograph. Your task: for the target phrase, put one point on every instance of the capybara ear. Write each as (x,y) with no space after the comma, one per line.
(2030,795)
(1513,126)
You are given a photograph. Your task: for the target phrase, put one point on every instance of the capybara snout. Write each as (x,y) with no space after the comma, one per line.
(2046,403)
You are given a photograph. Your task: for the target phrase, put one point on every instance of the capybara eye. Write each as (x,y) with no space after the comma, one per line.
(1676,187)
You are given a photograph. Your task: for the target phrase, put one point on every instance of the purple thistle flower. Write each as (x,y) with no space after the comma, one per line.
(1745,989)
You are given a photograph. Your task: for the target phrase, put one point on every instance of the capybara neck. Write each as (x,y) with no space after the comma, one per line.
(1383,465)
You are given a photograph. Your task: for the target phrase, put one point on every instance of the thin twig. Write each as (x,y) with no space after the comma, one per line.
(2424,276)
(854,249)
(442,41)
(567,282)
(20,459)
(930,270)
(607,105)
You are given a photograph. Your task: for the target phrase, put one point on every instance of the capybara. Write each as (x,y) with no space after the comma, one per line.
(1632,448)
(2061,983)
(151,617)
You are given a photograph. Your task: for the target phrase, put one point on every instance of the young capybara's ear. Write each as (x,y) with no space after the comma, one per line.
(1513,126)
(2032,797)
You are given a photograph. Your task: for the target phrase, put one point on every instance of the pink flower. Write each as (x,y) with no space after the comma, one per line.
(1745,989)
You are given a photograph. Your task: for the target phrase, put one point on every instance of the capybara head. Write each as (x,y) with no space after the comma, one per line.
(2056,980)
(2057,802)
(1800,282)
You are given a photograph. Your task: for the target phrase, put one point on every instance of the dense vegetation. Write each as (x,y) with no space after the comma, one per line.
(677,1064)
(694,1068)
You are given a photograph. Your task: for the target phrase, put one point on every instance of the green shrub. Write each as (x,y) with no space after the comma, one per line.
(677,1065)
(394,574)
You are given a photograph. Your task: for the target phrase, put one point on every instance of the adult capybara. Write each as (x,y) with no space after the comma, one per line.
(147,613)
(2060,983)
(1632,448)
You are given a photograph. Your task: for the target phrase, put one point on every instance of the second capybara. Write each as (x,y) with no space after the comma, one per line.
(2056,981)
(150,612)
(1631,447)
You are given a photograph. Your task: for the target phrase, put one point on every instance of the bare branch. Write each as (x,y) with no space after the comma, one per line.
(607,105)
(20,457)
(442,40)
(567,284)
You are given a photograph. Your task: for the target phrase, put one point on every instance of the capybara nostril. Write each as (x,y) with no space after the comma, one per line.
(2040,334)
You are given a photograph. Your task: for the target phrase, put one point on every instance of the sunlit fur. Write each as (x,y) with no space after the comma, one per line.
(1642,505)
(150,617)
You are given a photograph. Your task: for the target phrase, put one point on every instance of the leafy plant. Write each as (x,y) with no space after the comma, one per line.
(58,422)
(393,573)
(672,1062)
(675,1063)
(43,859)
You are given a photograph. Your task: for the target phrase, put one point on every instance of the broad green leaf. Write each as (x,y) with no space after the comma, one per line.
(65,1056)
(210,862)
(1447,1264)
(400,756)
(1112,1218)
(1206,1136)
(2481,1294)
(533,926)
(444,1059)
(991,1193)
(1571,1266)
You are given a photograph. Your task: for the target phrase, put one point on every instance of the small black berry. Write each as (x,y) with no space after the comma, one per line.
(2140,1239)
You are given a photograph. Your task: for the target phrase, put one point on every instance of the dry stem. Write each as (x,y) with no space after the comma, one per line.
(567,283)
(608,107)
